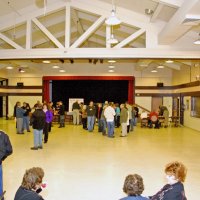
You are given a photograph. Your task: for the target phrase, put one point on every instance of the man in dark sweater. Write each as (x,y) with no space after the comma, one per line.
(91,111)
(38,120)
(5,151)
(61,112)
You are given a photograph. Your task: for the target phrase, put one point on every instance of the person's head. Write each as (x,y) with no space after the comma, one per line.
(91,103)
(175,171)
(18,104)
(32,179)
(133,185)
(24,104)
(99,105)
(122,105)
(45,107)
(39,106)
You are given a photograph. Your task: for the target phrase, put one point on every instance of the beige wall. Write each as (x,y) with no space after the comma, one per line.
(189,121)
(29,99)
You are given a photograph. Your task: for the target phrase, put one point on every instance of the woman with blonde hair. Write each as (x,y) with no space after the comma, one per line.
(31,185)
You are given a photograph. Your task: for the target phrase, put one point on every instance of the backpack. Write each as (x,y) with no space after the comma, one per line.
(5,146)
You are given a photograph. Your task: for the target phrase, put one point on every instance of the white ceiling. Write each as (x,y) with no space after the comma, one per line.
(171,21)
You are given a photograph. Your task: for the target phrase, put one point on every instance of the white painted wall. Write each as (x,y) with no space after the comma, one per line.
(144,102)
(29,99)
(189,121)
(167,101)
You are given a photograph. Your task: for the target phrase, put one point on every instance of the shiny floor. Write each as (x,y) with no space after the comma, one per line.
(80,165)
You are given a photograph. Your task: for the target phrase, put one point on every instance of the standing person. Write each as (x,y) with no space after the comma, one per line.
(133,187)
(49,118)
(117,116)
(5,151)
(26,118)
(84,116)
(61,112)
(98,116)
(103,121)
(165,113)
(123,120)
(76,110)
(136,114)
(131,122)
(38,119)
(19,117)
(109,114)
(174,189)
(91,111)
(31,185)
(51,108)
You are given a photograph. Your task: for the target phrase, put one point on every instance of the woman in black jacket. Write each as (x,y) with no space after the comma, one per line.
(31,185)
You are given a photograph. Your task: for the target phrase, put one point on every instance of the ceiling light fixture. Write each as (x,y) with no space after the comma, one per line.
(55,67)
(112,61)
(160,67)
(169,61)
(111,67)
(111,70)
(113,20)
(148,11)
(198,40)
(46,61)
(21,70)
(62,70)
(9,67)
(154,71)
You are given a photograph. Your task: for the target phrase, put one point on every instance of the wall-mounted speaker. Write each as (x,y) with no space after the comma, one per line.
(20,84)
(159,84)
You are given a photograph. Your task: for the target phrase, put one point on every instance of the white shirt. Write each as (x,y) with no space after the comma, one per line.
(109,114)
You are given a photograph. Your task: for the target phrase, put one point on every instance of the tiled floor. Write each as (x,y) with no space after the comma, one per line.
(88,166)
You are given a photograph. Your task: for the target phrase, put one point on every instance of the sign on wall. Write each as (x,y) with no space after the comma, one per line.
(72,100)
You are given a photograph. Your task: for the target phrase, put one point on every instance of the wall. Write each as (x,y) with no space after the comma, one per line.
(144,102)
(189,121)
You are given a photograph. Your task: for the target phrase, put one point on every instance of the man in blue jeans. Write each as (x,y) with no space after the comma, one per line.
(5,151)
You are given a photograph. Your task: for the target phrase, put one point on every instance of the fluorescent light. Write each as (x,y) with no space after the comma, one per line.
(112,40)
(111,70)
(22,71)
(55,67)
(111,67)
(113,20)
(160,67)
(169,61)
(46,61)
(9,67)
(154,71)
(111,61)
(62,70)
(197,41)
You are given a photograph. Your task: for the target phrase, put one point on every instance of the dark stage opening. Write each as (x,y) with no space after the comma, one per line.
(95,90)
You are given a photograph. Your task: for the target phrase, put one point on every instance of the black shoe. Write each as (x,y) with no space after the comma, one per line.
(40,147)
(60,127)
(45,141)
(34,148)
(122,136)
(28,131)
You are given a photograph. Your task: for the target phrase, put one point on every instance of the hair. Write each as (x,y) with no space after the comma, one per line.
(133,185)
(32,177)
(177,169)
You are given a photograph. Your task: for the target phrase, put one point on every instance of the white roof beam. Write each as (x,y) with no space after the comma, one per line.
(171,3)
(173,29)
(67,25)
(10,42)
(87,33)
(108,34)
(29,34)
(156,12)
(47,33)
(130,38)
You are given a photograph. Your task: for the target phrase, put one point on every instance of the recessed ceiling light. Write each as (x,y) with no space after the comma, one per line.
(55,67)
(9,67)
(46,61)
(22,71)
(111,61)
(169,61)
(197,41)
(61,70)
(160,67)
(111,67)
(111,70)
(154,71)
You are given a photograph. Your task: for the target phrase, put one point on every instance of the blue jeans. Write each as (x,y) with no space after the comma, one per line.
(131,122)
(1,180)
(110,128)
(37,137)
(135,121)
(90,123)
(103,126)
(26,123)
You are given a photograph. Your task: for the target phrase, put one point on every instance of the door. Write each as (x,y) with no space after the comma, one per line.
(156,102)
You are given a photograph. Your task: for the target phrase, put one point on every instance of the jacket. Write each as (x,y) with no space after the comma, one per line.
(24,194)
(38,119)
(171,192)
(123,115)
(5,146)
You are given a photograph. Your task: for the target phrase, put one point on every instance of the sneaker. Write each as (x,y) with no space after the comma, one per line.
(34,148)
